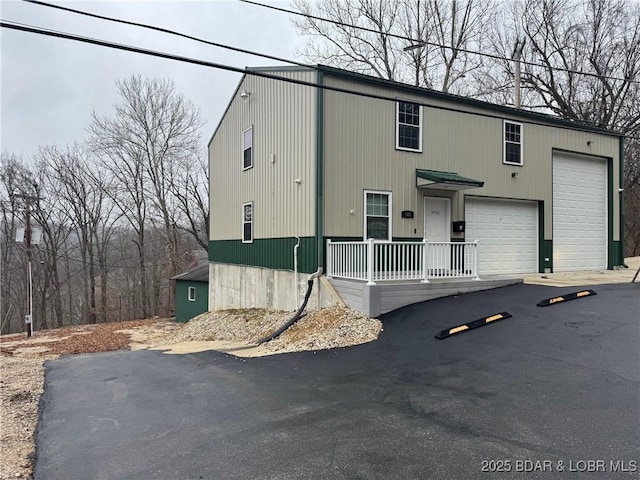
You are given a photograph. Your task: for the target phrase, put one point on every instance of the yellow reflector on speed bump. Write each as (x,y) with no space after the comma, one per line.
(458,329)
(564,298)
(471,325)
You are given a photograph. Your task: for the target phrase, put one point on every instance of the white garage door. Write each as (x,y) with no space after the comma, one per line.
(579,213)
(507,232)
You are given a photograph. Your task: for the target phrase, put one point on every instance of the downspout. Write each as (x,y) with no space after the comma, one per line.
(295,272)
(320,169)
(621,202)
(298,314)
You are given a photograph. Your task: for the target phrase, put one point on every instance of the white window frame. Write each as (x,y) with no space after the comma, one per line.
(397,122)
(364,221)
(250,222)
(191,294)
(250,128)
(504,143)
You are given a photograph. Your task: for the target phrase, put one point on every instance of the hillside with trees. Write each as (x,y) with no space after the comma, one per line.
(117,216)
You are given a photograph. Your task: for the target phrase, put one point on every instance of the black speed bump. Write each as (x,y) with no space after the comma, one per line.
(481,322)
(565,298)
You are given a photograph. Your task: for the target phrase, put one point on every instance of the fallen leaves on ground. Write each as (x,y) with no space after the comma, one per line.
(100,337)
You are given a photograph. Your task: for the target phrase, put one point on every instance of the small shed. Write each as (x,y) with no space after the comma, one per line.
(192,293)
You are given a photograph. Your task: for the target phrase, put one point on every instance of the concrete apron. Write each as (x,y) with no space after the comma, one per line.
(592,277)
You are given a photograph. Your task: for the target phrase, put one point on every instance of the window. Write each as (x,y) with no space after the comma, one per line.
(408,126)
(512,143)
(247,148)
(377,215)
(192,294)
(247,222)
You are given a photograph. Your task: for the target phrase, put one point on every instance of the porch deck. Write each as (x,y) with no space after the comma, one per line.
(383,297)
(378,277)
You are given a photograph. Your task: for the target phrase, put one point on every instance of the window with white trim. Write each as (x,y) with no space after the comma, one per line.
(408,126)
(512,143)
(247,222)
(247,148)
(192,294)
(377,215)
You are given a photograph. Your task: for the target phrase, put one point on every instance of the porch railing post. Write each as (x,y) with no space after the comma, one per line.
(424,262)
(370,261)
(329,259)
(476,268)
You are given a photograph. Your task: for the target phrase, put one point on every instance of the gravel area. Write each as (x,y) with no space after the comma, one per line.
(246,326)
(21,384)
(332,327)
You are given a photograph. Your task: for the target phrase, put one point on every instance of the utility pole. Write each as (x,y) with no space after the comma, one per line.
(516,56)
(28,318)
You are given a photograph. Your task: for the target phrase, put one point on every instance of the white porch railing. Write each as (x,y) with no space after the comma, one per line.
(373,261)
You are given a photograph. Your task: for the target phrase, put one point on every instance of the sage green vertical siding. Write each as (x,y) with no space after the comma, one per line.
(359,154)
(284,147)
(187,309)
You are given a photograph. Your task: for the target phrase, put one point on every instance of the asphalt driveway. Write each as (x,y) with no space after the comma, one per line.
(555,390)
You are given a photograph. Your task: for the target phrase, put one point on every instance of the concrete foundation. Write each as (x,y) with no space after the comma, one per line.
(240,286)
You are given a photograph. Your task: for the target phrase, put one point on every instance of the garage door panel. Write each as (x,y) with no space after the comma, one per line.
(507,233)
(579,213)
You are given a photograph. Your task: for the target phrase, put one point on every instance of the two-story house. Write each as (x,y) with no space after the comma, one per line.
(422,173)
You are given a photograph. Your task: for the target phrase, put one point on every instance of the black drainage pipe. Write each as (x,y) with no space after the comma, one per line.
(298,313)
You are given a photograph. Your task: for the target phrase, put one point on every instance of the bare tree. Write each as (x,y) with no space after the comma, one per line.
(51,215)
(599,37)
(150,141)
(82,196)
(632,198)
(129,196)
(191,192)
(442,28)
(13,177)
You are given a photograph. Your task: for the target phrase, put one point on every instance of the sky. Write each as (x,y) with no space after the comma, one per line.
(50,86)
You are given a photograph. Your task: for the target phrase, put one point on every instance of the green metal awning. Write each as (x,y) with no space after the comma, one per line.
(444,180)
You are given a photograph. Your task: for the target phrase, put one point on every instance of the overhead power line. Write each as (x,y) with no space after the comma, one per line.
(254,53)
(164,30)
(263,74)
(425,42)
(314,17)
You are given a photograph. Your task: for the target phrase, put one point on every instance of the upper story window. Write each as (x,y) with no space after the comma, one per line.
(512,143)
(408,126)
(247,148)
(247,222)
(377,215)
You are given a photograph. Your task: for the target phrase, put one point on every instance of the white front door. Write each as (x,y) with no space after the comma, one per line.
(437,219)
(437,213)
